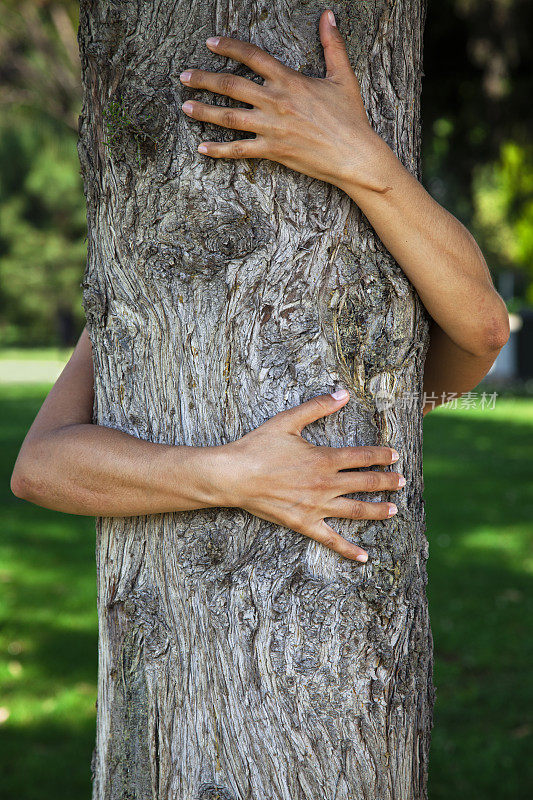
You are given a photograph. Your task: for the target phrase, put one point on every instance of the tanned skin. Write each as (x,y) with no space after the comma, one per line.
(318,127)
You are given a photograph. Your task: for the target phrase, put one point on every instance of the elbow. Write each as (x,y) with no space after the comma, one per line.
(26,481)
(497,333)
(494,334)
(44,479)
(20,485)
(30,485)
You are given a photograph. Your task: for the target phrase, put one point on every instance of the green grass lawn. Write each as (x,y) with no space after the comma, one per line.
(48,633)
(479,507)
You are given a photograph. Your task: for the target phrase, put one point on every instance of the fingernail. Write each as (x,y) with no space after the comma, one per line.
(401,481)
(331,17)
(395,455)
(185,76)
(362,557)
(392,510)
(202,148)
(213,40)
(340,394)
(188,107)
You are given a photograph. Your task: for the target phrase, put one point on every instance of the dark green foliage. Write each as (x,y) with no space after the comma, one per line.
(477,120)
(42,233)
(42,209)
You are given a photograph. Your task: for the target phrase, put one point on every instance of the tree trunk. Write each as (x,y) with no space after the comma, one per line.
(237,659)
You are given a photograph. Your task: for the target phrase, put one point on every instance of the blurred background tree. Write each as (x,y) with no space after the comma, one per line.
(42,208)
(477,121)
(477,157)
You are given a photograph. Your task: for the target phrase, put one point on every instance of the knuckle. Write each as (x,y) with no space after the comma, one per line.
(280,148)
(357,509)
(226,83)
(278,97)
(238,150)
(229,117)
(344,456)
(323,406)
(371,481)
(252,52)
(268,94)
(294,81)
(367,456)
(261,148)
(302,521)
(284,105)
(320,483)
(295,522)
(329,540)
(326,457)
(337,44)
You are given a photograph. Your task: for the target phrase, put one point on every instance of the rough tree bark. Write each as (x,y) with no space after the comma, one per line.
(237,659)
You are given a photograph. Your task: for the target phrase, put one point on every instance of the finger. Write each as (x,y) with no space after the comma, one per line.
(324,534)
(367,456)
(242,148)
(357,509)
(335,55)
(348,482)
(240,119)
(224,83)
(251,55)
(294,419)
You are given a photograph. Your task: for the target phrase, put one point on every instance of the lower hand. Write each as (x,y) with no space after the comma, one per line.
(277,475)
(316,126)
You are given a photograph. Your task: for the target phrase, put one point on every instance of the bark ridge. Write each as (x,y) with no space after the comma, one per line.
(237,659)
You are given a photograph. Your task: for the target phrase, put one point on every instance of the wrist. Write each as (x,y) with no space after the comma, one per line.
(211,469)
(375,173)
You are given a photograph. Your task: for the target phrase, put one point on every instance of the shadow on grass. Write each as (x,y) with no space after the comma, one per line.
(48,634)
(479,503)
(47,761)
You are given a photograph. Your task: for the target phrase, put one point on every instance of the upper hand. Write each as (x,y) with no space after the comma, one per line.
(277,475)
(317,126)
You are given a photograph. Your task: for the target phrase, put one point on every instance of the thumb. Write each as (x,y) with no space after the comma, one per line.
(335,55)
(294,419)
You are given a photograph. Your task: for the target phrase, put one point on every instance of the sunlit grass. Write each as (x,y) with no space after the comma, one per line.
(479,507)
(35,354)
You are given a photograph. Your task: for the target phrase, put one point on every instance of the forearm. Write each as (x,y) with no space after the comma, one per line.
(98,471)
(437,253)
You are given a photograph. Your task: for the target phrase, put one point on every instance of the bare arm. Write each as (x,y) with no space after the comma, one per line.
(68,464)
(319,126)
(441,258)
(449,369)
